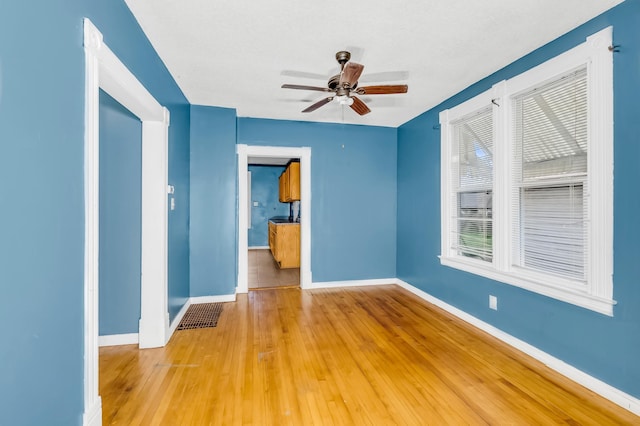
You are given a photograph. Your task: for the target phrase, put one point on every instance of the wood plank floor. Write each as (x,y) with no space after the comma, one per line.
(361,356)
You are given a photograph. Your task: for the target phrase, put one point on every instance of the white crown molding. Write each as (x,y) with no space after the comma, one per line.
(603,389)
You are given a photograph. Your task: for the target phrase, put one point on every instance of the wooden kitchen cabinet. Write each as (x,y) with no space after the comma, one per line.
(284,186)
(290,183)
(284,242)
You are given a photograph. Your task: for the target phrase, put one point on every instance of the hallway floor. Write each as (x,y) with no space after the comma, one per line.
(264,272)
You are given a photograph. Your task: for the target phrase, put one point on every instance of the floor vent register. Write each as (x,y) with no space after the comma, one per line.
(201,315)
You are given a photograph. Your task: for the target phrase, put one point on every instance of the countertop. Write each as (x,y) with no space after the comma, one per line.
(282,220)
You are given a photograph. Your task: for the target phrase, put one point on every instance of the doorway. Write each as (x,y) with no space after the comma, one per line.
(248,154)
(103,70)
(120,239)
(269,212)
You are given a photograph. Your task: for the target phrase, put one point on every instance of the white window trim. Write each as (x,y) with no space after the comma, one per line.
(597,294)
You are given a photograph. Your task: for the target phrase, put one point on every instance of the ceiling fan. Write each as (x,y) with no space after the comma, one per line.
(344,87)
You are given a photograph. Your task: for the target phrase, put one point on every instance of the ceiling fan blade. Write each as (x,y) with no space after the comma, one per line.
(350,74)
(302,87)
(383,90)
(318,104)
(359,106)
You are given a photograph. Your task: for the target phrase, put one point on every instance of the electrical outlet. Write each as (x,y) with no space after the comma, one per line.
(493,302)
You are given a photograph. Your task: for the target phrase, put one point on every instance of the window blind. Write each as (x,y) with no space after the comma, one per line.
(473,175)
(550,169)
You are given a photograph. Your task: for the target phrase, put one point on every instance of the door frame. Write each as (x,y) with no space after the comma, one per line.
(304,155)
(103,70)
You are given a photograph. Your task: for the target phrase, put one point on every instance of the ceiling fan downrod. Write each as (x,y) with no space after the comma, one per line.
(343,57)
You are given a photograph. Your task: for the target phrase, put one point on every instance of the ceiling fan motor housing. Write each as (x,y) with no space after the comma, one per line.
(334,82)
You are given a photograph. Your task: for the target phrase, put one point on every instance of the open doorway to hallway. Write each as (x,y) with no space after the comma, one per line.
(273,200)
(275,156)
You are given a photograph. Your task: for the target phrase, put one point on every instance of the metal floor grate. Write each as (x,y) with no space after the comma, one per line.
(201,315)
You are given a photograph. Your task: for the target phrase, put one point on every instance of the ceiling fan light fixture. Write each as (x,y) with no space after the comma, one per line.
(343,100)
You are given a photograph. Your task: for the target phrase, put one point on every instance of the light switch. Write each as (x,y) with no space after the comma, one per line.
(256,204)
(173,203)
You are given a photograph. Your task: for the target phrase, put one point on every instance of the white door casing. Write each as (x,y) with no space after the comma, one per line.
(103,70)
(302,153)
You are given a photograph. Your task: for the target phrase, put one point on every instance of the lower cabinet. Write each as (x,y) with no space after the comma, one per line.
(284,242)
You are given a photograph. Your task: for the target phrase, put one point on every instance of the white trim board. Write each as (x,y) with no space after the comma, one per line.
(178,318)
(259,248)
(603,389)
(118,339)
(212,299)
(352,283)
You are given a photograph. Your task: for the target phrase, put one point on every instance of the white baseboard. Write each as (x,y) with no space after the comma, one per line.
(118,339)
(613,394)
(178,318)
(213,299)
(352,283)
(259,248)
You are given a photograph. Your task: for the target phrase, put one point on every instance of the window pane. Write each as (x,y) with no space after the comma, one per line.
(554,230)
(551,128)
(475,226)
(473,136)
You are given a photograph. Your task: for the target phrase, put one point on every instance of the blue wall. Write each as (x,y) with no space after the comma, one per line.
(120,217)
(353,186)
(265,190)
(213,201)
(604,347)
(178,232)
(42,170)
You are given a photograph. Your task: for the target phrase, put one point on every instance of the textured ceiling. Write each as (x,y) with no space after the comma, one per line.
(237,54)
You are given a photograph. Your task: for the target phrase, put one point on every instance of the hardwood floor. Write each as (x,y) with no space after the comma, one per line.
(362,356)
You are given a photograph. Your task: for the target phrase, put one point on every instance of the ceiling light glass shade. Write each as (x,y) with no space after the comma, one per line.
(343,100)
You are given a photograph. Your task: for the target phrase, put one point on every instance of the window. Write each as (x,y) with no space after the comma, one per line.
(550,170)
(472,175)
(527,179)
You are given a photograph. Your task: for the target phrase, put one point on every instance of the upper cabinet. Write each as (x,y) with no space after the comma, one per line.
(290,183)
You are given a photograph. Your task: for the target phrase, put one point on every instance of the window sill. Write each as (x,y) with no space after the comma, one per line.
(575,296)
